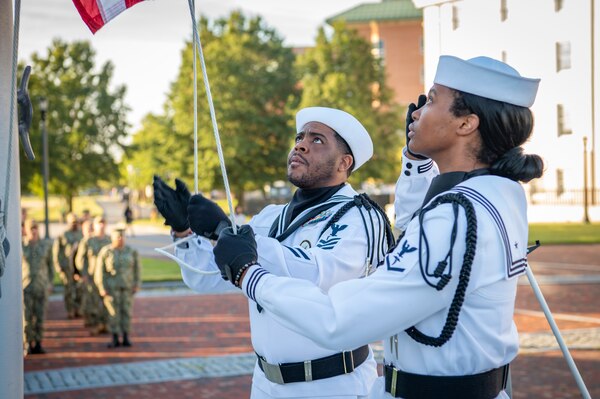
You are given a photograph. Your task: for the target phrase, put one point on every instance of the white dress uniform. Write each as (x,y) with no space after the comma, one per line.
(411,187)
(399,295)
(322,259)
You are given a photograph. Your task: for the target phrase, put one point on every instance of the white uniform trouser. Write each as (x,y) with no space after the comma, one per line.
(259,394)
(378,391)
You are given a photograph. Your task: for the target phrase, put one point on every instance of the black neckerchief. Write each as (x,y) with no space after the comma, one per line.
(446,181)
(306,198)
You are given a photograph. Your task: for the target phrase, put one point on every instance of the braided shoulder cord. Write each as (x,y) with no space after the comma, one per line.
(367,202)
(465,271)
(380,251)
(389,235)
(340,212)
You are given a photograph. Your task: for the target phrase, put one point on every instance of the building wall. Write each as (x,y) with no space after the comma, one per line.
(403,55)
(527,39)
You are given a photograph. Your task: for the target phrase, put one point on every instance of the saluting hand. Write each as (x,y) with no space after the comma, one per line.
(234,253)
(172,204)
(412,108)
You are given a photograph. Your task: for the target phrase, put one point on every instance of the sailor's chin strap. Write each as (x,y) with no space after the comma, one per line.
(443,278)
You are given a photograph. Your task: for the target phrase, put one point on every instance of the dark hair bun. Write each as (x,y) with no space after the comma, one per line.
(516,165)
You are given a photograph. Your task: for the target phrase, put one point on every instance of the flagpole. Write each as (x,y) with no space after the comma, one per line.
(11,299)
(213,118)
(559,339)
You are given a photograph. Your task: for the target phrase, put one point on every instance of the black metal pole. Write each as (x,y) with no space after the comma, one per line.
(44,108)
(586,217)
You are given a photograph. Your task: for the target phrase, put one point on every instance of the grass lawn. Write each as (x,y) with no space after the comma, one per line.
(564,233)
(35,207)
(154,269)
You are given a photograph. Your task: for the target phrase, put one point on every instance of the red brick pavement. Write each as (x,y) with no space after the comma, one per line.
(163,328)
(575,254)
(191,326)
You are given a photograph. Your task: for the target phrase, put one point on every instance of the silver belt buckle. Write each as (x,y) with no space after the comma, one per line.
(308,370)
(272,371)
(346,371)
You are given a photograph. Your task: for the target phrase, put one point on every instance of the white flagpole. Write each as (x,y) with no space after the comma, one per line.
(11,301)
(563,347)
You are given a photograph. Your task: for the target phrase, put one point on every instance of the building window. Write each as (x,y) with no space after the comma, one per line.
(377,50)
(563,56)
(455,18)
(558,5)
(560,182)
(563,120)
(503,10)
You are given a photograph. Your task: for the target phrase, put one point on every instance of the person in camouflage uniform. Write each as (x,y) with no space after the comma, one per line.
(92,308)
(87,230)
(118,277)
(37,284)
(63,252)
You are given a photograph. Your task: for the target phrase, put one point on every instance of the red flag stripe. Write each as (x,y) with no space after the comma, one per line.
(130,3)
(90,13)
(96,13)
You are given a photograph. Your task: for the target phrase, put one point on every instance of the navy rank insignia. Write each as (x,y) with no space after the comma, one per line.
(332,239)
(397,256)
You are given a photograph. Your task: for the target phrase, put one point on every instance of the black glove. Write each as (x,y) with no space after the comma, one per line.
(205,217)
(234,253)
(172,204)
(412,108)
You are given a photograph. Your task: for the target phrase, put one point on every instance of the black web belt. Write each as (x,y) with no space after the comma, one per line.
(312,370)
(485,385)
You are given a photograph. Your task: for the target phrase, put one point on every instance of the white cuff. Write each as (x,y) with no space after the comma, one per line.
(250,283)
(414,167)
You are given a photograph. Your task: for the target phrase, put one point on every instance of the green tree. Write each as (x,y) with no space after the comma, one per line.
(252,80)
(341,72)
(86,120)
(152,149)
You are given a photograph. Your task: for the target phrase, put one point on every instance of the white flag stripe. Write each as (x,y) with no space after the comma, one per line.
(111,8)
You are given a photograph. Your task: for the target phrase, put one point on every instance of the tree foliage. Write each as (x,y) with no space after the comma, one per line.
(251,79)
(86,120)
(341,72)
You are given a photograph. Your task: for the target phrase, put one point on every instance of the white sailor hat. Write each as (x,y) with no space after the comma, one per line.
(344,124)
(486,77)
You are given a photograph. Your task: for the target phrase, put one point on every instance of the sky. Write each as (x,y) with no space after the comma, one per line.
(144,42)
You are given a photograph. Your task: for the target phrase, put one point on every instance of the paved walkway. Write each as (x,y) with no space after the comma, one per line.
(87,377)
(198,346)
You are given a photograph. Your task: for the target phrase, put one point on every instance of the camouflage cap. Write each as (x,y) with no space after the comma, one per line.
(118,232)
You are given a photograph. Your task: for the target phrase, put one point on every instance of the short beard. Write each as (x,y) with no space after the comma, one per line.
(323,171)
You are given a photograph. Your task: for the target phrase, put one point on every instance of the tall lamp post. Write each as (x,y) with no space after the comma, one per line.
(43,110)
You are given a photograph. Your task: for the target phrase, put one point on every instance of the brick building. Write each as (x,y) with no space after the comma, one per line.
(394,28)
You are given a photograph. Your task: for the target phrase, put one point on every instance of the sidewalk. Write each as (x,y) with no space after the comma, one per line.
(198,346)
